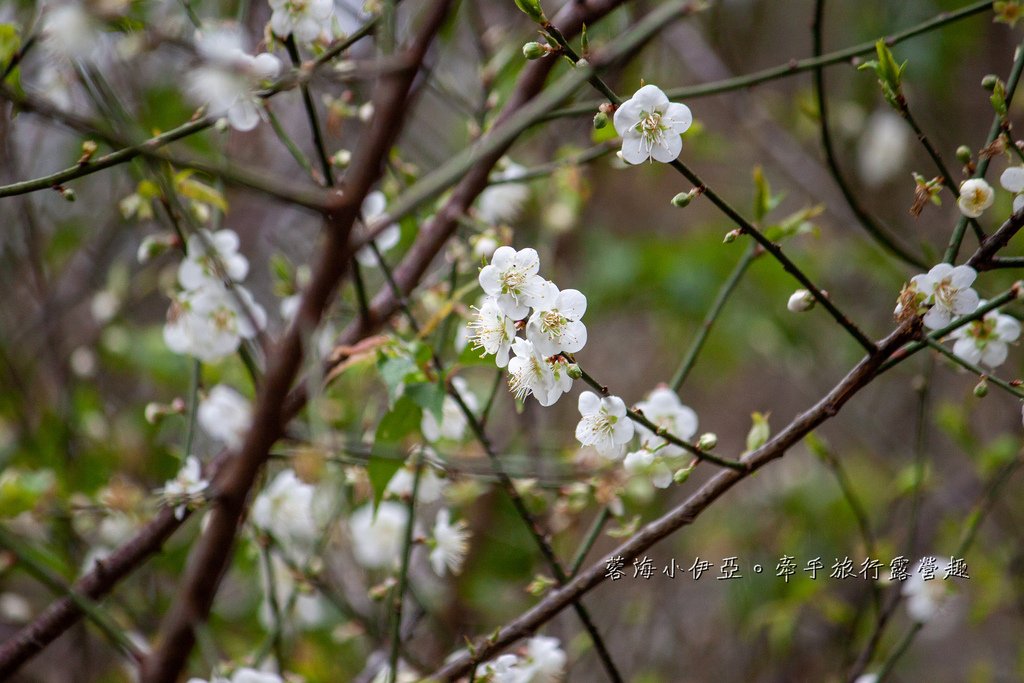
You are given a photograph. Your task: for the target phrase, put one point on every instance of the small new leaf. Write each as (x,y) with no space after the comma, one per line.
(532,9)
(759,431)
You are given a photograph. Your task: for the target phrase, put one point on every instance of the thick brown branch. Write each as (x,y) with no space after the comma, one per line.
(985,257)
(685,513)
(212,554)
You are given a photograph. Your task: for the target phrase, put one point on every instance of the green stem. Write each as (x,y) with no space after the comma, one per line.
(690,359)
(588,541)
(957,238)
(403,575)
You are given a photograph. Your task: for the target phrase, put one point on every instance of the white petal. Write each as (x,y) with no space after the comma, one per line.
(626,117)
(677,117)
(669,151)
(650,98)
(572,303)
(527,259)
(965,301)
(243,115)
(963,276)
(490,279)
(633,151)
(994,354)
(1012,179)
(936,317)
(373,205)
(573,337)
(1007,328)
(589,403)
(968,350)
(503,257)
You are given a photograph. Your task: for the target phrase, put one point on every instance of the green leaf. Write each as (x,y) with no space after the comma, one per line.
(429,396)
(759,431)
(798,223)
(532,9)
(396,371)
(764,201)
(201,192)
(10,44)
(401,420)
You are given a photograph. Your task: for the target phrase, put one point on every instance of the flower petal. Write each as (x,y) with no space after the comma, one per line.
(589,403)
(633,151)
(677,117)
(669,151)
(572,303)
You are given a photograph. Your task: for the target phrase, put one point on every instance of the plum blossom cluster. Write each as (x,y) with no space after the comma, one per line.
(518,298)
(378,535)
(212,313)
(542,661)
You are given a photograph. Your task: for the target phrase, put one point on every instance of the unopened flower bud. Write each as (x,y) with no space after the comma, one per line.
(89,148)
(981,389)
(534,50)
(681,475)
(683,198)
(963,154)
(801,300)
(731,236)
(707,441)
(600,120)
(155,411)
(67,194)
(989,82)
(582,63)
(574,371)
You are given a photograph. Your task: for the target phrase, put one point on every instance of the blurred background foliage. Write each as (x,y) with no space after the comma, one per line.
(82,354)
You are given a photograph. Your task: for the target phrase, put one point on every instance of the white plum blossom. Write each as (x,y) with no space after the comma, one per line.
(202,267)
(187,487)
(70,32)
(561,383)
(374,205)
(306,19)
(512,278)
(501,202)
(555,325)
(985,340)
(1012,180)
(484,244)
(450,543)
(377,540)
(604,425)
(927,590)
(543,661)
(227,80)
(650,126)
(298,608)
(883,147)
(225,415)
(976,195)
(430,490)
(453,420)
(209,323)
(651,464)
(664,409)
(285,510)
(530,373)
(946,290)
(491,331)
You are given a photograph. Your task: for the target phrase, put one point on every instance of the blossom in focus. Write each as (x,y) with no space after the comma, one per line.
(305,19)
(377,541)
(187,487)
(285,510)
(946,292)
(604,424)
(491,331)
(650,126)
(555,325)
(201,267)
(450,544)
(1012,180)
(374,205)
(976,195)
(663,407)
(512,278)
(985,340)
(529,372)
(453,420)
(225,415)
(227,79)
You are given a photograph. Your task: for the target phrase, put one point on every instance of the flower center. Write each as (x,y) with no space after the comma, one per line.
(651,129)
(552,321)
(945,292)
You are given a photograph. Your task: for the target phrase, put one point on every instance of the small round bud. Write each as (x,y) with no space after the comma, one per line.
(731,236)
(67,194)
(574,371)
(963,154)
(682,199)
(600,120)
(582,63)
(682,475)
(801,300)
(981,389)
(707,441)
(154,411)
(534,50)
(989,82)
